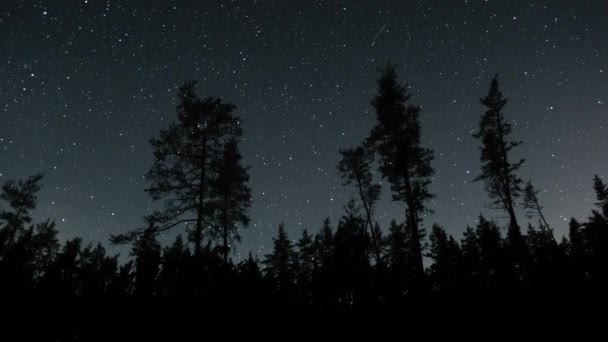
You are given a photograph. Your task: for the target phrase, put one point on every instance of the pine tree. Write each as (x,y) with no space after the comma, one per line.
(147,253)
(21,197)
(497,266)
(354,168)
(306,265)
(446,256)
(306,255)
(351,257)
(471,260)
(251,284)
(233,196)
(324,276)
(547,263)
(534,208)
(324,245)
(577,252)
(44,246)
(249,271)
(397,253)
(26,250)
(498,173)
(173,277)
(398,258)
(601,192)
(576,238)
(595,235)
(403,161)
(280,263)
(187,160)
(96,271)
(122,285)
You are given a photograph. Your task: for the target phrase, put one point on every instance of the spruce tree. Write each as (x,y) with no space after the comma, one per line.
(147,253)
(280,263)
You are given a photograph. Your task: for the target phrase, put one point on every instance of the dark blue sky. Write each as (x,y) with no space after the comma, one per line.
(84,86)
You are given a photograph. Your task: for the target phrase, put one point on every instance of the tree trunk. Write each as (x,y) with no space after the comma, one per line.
(507,179)
(412,225)
(198,233)
(225,232)
(542,217)
(369,223)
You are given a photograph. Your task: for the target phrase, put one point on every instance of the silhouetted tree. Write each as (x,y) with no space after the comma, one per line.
(122,285)
(548,265)
(404,162)
(601,192)
(399,261)
(233,195)
(595,235)
(173,278)
(306,266)
(147,253)
(380,239)
(96,272)
(534,208)
(252,289)
(351,258)
(250,269)
(280,264)
(576,239)
(61,277)
(324,244)
(446,256)
(354,168)
(21,198)
(498,173)
(588,246)
(18,267)
(40,247)
(323,283)
(26,250)
(496,261)
(187,157)
(471,258)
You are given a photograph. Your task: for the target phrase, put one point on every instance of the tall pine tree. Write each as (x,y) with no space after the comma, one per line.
(497,171)
(281,263)
(404,162)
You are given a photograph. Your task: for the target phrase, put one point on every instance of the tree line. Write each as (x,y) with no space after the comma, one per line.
(352,269)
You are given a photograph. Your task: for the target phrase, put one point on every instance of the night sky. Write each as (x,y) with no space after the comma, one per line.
(85,84)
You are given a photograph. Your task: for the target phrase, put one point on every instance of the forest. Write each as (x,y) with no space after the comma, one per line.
(348,277)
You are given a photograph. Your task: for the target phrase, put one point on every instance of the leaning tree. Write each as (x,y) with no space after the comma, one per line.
(498,172)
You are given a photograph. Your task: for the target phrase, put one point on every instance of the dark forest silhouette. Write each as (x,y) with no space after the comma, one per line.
(349,276)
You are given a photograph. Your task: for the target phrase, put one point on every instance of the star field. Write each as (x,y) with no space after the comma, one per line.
(84,86)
